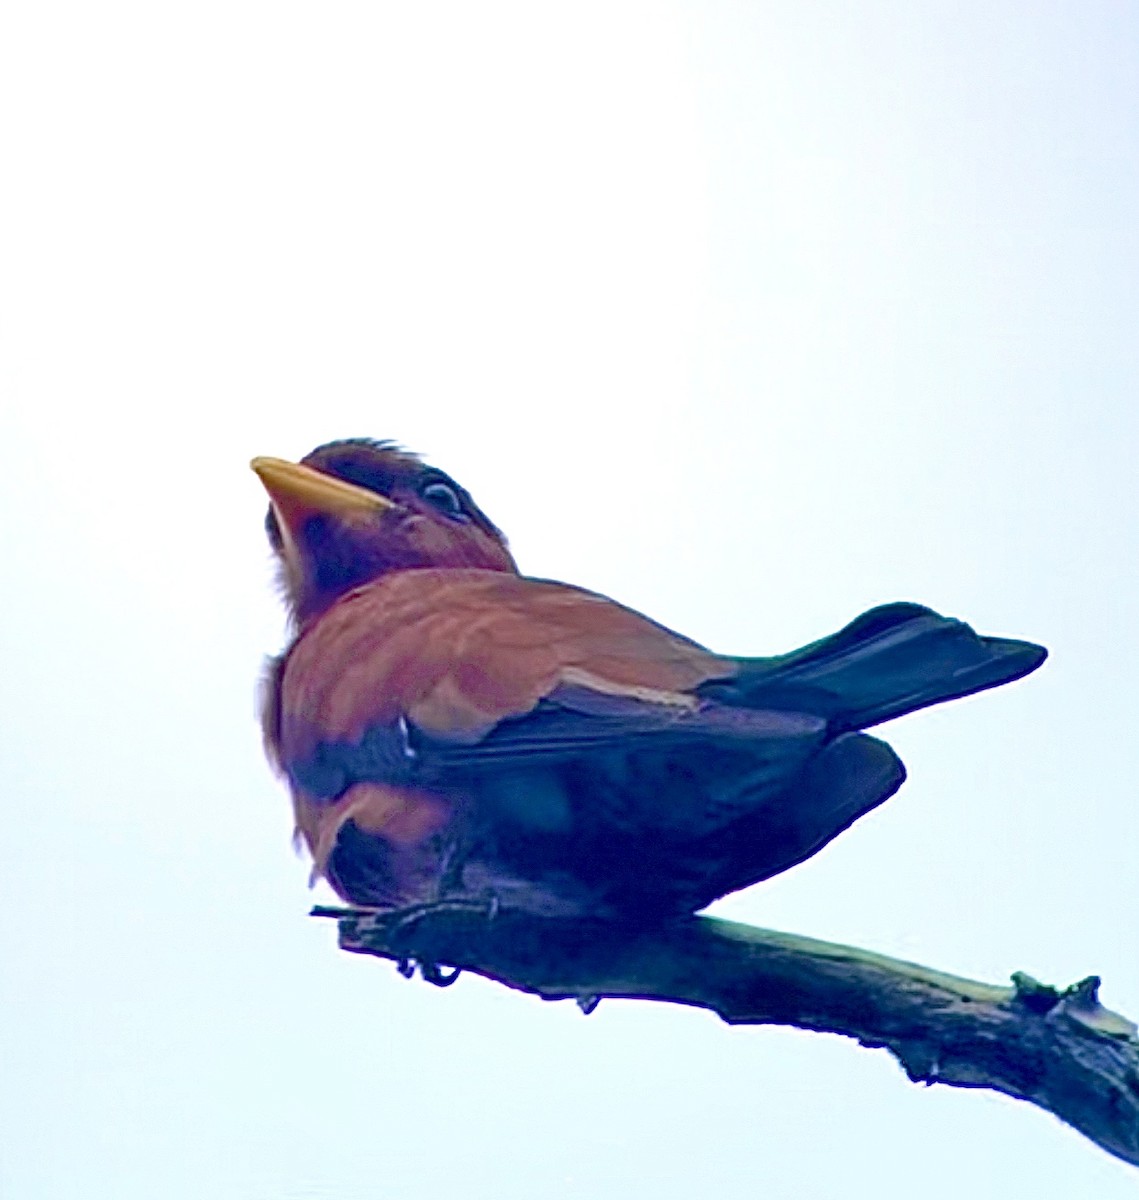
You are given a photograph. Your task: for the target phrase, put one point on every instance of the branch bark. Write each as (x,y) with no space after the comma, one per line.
(1058,1049)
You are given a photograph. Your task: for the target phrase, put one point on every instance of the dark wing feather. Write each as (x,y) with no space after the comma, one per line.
(573,721)
(634,764)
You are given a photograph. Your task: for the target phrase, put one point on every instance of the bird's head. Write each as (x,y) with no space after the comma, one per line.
(356,509)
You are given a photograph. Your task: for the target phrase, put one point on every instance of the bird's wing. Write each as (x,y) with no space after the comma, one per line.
(454,652)
(430,672)
(574,720)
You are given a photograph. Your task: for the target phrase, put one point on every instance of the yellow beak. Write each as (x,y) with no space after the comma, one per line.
(297,492)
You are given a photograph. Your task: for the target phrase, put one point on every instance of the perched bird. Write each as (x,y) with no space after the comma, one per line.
(451,728)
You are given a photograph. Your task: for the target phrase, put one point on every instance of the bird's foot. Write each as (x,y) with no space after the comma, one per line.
(432,972)
(403,923)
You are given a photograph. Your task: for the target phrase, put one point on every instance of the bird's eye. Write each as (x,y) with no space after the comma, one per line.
(443,497)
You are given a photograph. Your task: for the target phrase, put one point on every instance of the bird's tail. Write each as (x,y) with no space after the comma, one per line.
(887,662)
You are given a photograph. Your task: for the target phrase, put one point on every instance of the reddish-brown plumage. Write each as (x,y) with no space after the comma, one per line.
(449,726)
(457,651)
(454,652)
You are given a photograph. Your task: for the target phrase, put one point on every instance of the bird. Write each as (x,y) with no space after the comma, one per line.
(451,729)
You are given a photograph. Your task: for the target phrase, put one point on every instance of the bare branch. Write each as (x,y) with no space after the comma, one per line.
(1060,1050)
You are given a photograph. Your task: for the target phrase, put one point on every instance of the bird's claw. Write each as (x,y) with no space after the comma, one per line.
(404,922)
(431,972)
(434,974)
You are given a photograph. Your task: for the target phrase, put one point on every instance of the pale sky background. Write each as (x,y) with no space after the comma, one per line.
(750,315)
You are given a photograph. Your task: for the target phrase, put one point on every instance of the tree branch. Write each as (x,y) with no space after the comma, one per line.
(1060,1050)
